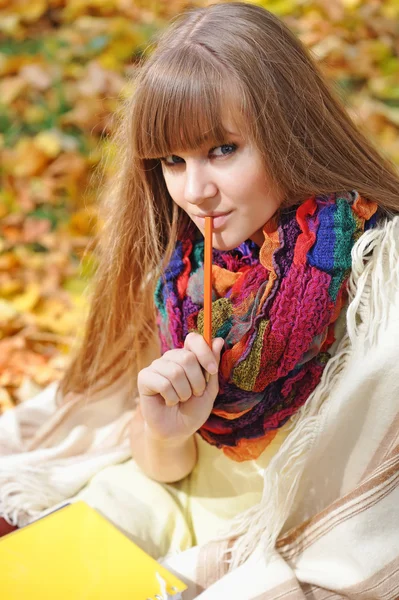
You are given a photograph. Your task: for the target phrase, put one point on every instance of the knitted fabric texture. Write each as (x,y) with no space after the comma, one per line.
(274,305)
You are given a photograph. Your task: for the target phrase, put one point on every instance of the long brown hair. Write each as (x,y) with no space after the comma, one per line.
(229,56)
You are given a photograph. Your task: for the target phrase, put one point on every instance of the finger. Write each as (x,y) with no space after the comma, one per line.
(217,346)
(213,380)
(152,384)
(197,344)
(189,362)
(176,375)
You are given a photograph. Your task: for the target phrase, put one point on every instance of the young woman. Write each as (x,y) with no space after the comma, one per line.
(230,118)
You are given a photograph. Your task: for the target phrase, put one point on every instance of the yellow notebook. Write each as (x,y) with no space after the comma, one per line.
(75,554)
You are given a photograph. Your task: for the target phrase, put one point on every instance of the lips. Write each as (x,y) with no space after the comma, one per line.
(219,219)
(214,214)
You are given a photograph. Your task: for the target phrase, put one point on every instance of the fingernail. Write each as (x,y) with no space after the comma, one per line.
(212,368)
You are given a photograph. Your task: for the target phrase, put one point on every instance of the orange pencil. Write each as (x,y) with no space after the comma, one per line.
(208,281)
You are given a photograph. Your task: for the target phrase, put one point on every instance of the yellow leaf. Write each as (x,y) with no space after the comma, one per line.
(8,202)
(109,60)
(9,261)
(81,302)
(351,3)
(3,209)
(60,316)
(26,159)
(34,114)
(7,311)
(75,8)
(49,142)
(28,300)
(84,222)
(10,25)
(390,10)
(51,306)
(11,64)
(10,287)
(74,285)
(66,324)
(11,88)
(73,70)
(30,11)
(88,266)
(280,7)
(5,400)
(378,49)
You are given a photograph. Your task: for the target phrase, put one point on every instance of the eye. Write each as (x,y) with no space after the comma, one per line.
(166,160)
(173,160)
(225,148)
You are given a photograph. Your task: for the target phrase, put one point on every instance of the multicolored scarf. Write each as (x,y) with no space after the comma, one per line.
(276,308)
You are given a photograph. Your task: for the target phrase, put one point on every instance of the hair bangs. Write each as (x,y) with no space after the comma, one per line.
(182,103)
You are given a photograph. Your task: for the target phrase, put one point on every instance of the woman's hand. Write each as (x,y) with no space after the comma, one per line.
(175,399)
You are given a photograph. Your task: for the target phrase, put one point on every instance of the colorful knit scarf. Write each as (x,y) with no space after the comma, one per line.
(275,307)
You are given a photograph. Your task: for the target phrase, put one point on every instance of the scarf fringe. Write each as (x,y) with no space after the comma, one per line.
(39,487)
(369,308)
(49,452)
(24,499)
(375,258)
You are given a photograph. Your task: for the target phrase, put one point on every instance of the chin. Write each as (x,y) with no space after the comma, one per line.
(225,243)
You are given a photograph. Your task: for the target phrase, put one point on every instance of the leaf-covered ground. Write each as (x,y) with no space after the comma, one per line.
(63,67)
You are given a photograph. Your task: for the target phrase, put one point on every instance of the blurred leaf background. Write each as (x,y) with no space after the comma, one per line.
(63,68)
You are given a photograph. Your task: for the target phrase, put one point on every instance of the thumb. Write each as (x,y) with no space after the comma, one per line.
(213,380)
(217,345)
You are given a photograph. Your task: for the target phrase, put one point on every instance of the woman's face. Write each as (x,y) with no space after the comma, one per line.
(229,181)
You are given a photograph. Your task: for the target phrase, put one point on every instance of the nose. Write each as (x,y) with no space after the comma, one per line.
(199,184)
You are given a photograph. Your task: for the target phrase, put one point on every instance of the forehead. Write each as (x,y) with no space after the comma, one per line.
(187,114)
(232,127)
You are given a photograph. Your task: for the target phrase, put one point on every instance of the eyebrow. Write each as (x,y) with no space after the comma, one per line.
(237,133)
(234,133)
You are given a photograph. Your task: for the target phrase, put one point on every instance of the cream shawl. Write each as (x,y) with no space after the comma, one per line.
(328,524)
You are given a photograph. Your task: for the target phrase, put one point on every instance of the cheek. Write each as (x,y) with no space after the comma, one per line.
(250,189)
(261,195)
(174,188)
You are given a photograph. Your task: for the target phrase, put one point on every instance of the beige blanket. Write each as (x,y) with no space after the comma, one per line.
(48,452)
(348,550)
(328,523)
